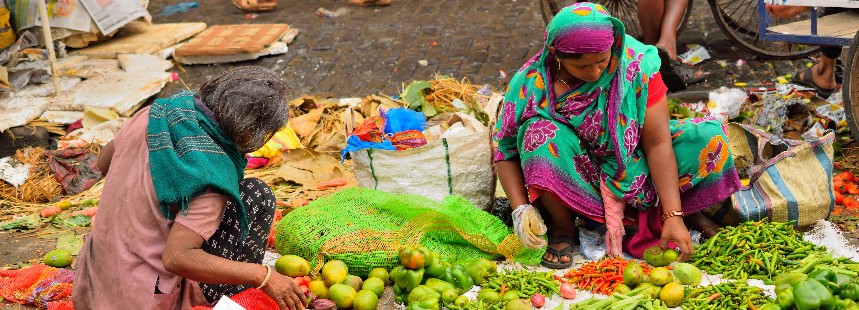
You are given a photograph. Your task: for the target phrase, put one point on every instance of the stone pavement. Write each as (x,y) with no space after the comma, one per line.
(378,49)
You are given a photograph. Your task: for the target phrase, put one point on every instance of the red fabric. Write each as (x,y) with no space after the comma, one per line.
(256,162)
(74,126)
(656,89)
(250,299)
(74,168)
(647,235)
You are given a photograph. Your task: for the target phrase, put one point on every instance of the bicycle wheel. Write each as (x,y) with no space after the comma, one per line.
(739,21)
(850,88)
(624,10)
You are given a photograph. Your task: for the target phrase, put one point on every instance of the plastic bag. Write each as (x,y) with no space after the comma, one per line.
(725,103)
(833,112)
(401,119)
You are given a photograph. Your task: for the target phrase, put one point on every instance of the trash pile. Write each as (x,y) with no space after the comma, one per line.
(786,110)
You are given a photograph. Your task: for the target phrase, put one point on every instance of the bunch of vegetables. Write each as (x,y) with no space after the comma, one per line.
(756,250)
(523,284)
(425,281)
(727,295)
(637,299)
(820,282)
(603,276)
(845,184)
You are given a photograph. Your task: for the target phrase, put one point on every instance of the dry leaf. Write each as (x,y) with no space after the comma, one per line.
(304,125)
(309,168)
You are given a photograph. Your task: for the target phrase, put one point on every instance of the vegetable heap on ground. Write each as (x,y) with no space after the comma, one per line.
(755,250)
(728,295)
(820,281)
(601,276)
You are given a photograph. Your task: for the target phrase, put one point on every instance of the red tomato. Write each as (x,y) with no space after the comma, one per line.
(847,176)
(839,199)
(840,187)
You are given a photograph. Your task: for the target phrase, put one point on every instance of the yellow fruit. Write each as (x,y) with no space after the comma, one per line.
(334,272)
(336,263)
(354,281)
(379,273)
(365,300)
(292,266)
(672,295)
(649,290)
(374,285)
(632,275)
(318,289)
(518,304)
(660,276)
(342,295)
(58,258)
(64,205)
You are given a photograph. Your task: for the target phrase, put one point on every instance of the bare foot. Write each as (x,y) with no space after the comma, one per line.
(563,259)
(669,46)
(823,76)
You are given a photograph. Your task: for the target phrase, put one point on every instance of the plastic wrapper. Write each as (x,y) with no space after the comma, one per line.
(725,103)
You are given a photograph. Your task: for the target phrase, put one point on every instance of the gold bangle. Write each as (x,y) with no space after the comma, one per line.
(671,214)
(267,276)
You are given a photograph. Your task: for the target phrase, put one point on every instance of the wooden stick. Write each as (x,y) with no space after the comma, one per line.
(49,44)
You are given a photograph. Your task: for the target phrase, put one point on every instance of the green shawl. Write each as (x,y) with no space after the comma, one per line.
(188,152)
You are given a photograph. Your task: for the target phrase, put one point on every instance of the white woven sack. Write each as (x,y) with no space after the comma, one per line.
(458,163)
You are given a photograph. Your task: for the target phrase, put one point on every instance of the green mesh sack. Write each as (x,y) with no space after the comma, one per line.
(365,228)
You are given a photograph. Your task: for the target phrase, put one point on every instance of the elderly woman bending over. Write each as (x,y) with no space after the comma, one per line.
(178,226)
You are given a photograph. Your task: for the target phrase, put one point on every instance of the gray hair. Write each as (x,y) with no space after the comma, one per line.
(248,103)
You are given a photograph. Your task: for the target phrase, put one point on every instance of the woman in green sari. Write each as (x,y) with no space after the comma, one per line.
(585,131)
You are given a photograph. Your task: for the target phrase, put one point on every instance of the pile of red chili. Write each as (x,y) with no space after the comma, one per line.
(602,276)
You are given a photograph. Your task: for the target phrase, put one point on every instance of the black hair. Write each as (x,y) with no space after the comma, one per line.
(563,55)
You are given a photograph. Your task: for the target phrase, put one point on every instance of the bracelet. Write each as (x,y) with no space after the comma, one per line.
(672,214)
(267,276)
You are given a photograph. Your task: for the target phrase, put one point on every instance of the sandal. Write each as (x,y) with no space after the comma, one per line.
(566,251)
(255,5)
(370,2)
(805,78)
(670,77)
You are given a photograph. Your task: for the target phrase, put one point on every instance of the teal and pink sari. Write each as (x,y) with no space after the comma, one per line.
(568,144)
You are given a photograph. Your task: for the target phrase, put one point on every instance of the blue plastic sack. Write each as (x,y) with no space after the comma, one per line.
(354,144)
(401,119)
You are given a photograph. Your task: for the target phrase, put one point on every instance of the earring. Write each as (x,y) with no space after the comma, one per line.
(558,60)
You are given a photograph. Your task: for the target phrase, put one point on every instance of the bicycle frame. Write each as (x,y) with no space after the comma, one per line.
(813,38)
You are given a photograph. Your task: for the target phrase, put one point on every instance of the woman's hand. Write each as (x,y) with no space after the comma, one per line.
(675,230)
(284,291)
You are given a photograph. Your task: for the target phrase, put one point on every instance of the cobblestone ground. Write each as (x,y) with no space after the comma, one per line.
(378,49)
